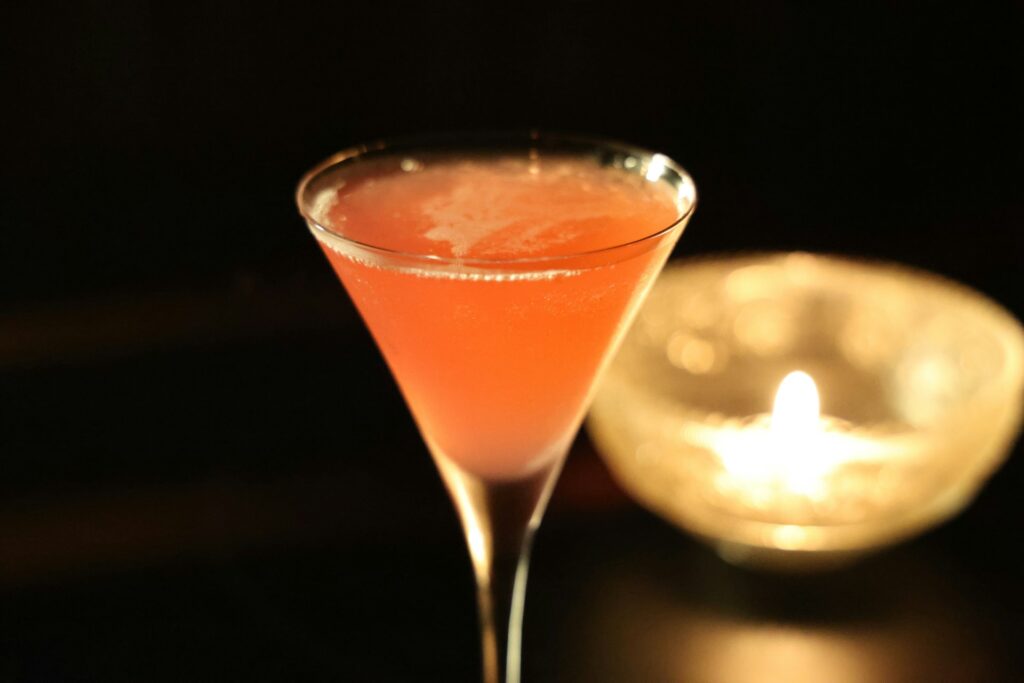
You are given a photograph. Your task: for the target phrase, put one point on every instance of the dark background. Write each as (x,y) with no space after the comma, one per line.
(206,471)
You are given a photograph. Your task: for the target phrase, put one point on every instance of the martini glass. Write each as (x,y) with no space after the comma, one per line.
(497,273)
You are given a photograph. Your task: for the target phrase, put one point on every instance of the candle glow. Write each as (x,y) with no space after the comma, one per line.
(921,381)
(787,452)
(792,451)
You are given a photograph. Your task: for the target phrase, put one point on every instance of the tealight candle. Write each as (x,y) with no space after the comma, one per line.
(896,393)
(791,453)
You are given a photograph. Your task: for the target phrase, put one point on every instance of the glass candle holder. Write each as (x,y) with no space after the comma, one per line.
(797,411)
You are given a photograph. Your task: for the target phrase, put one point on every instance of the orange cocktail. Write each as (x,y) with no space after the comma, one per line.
(496,367)
(496,274)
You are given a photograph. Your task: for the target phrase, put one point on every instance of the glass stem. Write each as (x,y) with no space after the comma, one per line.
(500,597)
(499,519)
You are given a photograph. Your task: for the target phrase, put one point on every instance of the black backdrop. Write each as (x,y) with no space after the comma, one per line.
(168,408)
(147,142)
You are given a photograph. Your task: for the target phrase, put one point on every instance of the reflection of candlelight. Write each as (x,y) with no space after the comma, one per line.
(656,614)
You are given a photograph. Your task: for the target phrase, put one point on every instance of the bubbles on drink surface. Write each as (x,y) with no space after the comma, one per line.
(503,207)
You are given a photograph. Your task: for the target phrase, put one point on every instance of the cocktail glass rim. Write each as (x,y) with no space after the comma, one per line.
(486,141)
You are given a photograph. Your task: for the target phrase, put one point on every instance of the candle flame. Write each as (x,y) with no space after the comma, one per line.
(796,423)
(792,453)
(797,408)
